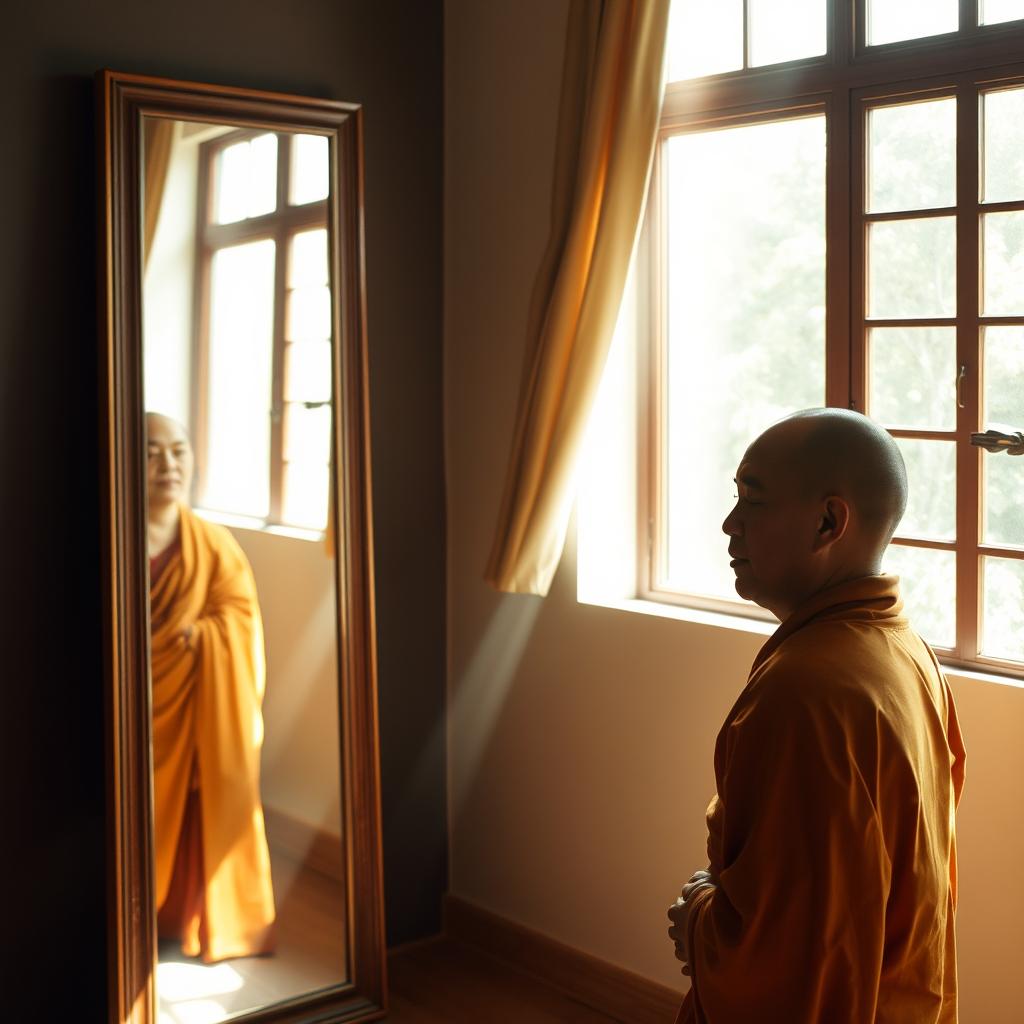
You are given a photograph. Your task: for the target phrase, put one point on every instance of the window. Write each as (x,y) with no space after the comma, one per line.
(837,217)
(262,381)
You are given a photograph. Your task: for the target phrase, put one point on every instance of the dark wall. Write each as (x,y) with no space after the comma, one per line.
(386,55)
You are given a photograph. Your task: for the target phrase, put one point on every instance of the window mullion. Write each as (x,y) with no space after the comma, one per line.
(838,336)
(199,387)
(857,312)
(968,15)
(968,463)
(282,240)
(842,31)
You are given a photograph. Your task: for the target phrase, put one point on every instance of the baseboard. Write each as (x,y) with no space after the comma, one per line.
(304,844)
(612,990)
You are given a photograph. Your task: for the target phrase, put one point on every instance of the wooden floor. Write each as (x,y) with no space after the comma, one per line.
(309,954)
(442,981)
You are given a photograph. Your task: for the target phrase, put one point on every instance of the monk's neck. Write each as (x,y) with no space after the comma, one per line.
(162,527)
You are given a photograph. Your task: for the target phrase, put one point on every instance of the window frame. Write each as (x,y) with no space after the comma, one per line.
(844,84)
(280,225)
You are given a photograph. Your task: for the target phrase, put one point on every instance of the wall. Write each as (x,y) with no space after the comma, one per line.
(581,737)
(300,767)
(386,55)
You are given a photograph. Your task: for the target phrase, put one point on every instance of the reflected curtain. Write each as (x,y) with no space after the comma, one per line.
(159,136)
(608,119)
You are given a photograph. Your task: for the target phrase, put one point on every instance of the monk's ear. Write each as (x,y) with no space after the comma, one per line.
(833,521)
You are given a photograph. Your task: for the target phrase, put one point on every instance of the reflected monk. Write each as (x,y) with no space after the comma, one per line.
(212,871)
(831,888)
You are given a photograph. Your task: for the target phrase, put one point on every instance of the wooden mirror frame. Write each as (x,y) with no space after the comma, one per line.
(123,101)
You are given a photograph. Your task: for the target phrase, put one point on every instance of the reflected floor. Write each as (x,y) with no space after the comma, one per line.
(310,954)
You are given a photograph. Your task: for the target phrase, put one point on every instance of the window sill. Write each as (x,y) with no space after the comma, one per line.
(756,627)
(254,525)
(697,616)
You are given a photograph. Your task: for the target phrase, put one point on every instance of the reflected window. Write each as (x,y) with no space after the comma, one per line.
(262,383)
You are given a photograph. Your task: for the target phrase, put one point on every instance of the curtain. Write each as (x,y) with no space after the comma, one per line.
(159,135)
(608,119)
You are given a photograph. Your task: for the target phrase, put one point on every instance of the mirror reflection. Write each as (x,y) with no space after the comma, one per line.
(248,862)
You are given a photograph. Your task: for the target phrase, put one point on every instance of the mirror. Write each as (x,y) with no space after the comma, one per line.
(245,838)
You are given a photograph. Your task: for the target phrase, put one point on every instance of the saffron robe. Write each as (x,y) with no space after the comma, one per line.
(838,772)
(207,693)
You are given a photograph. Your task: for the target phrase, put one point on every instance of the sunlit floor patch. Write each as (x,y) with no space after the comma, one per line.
(194,1011)
(309,955)
(177,982)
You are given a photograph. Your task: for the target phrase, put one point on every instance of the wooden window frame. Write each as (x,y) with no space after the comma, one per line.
(844,85)
(281,225)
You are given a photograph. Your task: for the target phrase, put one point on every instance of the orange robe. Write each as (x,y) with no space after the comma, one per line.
(838,773)
(207,735)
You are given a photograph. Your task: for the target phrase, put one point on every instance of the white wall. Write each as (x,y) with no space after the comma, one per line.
(301,767)
(581,737)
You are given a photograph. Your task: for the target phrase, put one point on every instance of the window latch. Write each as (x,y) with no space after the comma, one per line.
(960,387)
(997,441)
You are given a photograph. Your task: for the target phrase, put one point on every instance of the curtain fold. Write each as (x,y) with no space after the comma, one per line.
(158,139)
(608,119)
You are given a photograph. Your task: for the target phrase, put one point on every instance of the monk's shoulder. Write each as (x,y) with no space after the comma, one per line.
(221,542)
(829,663)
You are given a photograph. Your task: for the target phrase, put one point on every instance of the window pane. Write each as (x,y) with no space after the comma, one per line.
(892,20)
(309,314)
(307,433)
(310,180)
(1004,507)
(783,30)
(236,478)
(992,12)
(1002,629)
(928,586)
(307,263)
(745,290)
(912,372)
(305,495)
(307,371)
(931,474)
(912,268)
(704,38)
(1003,154)
(1003,268)
(1004,378)
(1003,520)
(912,156)
(246,180)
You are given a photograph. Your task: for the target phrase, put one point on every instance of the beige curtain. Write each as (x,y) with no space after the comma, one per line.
(611,101)
(159,135)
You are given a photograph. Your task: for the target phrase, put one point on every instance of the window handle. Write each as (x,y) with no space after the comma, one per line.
(997,441)
(960,386)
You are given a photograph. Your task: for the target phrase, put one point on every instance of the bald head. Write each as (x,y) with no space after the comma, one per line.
(841,452)
(169,461)
(819,495)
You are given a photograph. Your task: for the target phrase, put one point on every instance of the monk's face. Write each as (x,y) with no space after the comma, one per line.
(169,461)
(773,524)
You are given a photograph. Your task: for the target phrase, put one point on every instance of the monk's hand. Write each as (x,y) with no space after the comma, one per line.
(679,914)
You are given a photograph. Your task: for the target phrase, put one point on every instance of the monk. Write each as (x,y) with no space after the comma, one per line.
(831,887)
(212,867)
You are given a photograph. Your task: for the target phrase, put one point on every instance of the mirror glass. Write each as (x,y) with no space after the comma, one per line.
(248,868)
